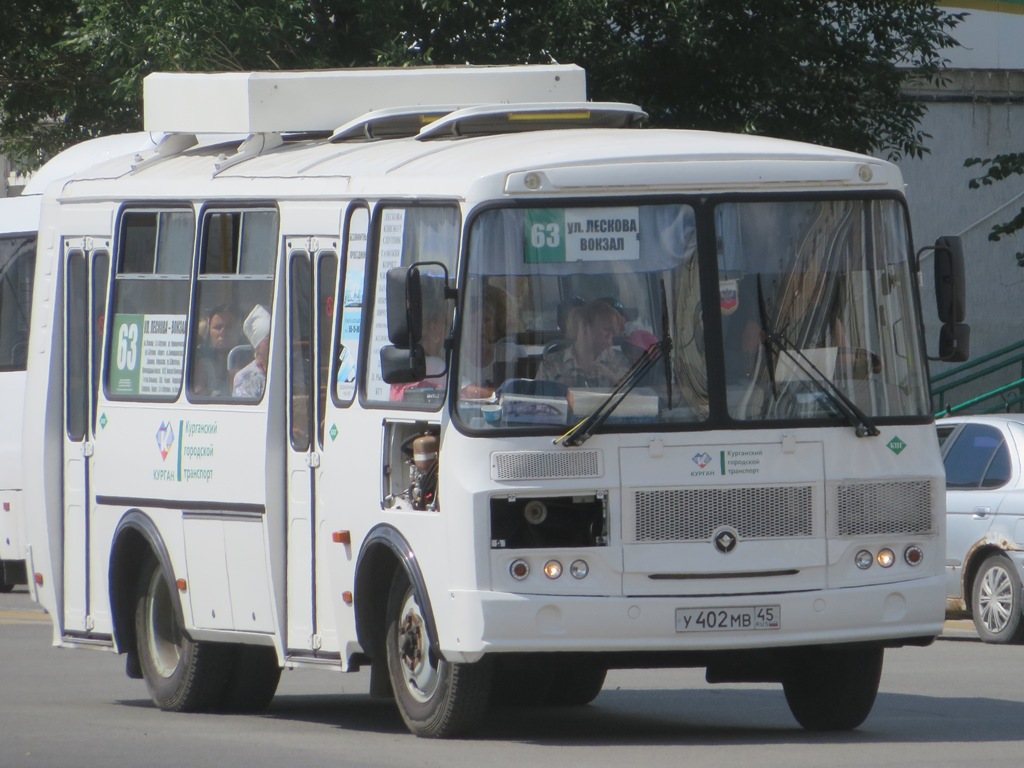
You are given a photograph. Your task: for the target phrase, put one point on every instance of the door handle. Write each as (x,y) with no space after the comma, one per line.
(980,513)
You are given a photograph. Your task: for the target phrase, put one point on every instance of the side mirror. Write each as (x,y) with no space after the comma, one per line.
(414,295)
(404,298)
(402,366)
(950,284)
(954,342)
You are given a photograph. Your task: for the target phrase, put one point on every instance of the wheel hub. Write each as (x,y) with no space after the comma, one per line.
(996,600)
(420,669)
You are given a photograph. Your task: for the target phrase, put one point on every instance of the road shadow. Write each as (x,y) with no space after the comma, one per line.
(693,717)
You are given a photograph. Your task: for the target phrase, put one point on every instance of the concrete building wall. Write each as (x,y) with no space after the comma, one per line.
(979,114)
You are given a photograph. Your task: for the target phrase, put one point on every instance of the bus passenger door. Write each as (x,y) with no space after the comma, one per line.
(86,273)
(312,281)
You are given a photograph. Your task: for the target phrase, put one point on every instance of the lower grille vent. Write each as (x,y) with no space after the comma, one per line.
(693,514)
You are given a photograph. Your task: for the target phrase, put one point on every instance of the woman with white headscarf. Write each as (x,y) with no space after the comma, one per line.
(251,380)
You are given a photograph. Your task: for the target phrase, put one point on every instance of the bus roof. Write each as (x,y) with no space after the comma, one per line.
(463,132)
(87,154)
(533,163)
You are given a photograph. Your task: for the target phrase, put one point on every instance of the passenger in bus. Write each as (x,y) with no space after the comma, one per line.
(487,356)
(252,379)
(220,333)
(591,359)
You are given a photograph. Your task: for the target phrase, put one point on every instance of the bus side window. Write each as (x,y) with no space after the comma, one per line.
(231,326)
(346,355)
(150,304)
(411,235)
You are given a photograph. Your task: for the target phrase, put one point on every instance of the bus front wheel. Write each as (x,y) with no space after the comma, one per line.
(436,698)
(832,689)
(182,675)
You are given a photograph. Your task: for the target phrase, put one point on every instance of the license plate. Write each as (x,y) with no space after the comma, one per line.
(728,619)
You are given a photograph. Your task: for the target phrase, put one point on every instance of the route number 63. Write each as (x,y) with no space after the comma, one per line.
(127,347)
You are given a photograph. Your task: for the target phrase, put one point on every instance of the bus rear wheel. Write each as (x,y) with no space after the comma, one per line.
(832,689)
(576,686)
(436,698)
(253,679)
(181,674)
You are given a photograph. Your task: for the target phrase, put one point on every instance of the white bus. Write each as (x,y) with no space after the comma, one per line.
(19,224)
(19,221)
(453,375)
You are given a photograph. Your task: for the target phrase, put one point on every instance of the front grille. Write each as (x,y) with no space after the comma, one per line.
(693,514)
(893,507)
(545,465)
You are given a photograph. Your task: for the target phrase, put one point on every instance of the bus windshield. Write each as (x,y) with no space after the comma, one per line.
(569,310)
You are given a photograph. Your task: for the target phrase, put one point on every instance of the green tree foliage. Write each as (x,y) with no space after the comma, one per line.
(999,168)
(826,72)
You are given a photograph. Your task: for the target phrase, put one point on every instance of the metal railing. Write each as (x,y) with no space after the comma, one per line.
(1005,365)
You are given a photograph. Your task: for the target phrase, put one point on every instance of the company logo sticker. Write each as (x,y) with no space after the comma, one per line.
(896,445)
(165,438)
(702,459)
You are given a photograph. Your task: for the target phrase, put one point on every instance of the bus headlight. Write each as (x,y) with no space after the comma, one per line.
(579,569)
(864,559)
(519,569)
(886,557)
(552,569)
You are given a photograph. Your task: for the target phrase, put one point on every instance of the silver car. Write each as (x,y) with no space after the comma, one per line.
(985,522)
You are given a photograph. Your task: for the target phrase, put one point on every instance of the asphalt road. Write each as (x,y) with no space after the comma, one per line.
(957,703)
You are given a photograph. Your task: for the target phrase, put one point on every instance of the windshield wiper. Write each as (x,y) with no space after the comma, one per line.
(857,418)
(769,350)
(583,429)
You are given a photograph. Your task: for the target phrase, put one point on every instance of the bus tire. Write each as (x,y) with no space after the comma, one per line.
(253,680)
(576,686)
(182,675)
(996,602)
(832,689)
(436,698)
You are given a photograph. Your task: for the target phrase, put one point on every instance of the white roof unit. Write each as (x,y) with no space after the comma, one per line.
(322,100)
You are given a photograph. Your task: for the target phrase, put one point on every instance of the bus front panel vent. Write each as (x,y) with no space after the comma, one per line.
(545,465)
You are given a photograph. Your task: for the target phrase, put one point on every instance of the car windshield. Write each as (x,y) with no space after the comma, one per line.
(569,310)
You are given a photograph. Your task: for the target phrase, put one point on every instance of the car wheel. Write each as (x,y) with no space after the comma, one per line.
(996,603)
